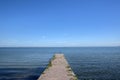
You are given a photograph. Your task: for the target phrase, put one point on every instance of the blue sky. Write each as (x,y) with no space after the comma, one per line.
(59,23)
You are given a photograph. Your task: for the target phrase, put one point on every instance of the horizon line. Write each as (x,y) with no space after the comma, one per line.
(50,46)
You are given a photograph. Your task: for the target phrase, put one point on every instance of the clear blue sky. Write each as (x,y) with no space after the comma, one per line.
(59,23)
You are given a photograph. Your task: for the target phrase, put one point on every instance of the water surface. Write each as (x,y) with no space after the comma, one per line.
(88,63)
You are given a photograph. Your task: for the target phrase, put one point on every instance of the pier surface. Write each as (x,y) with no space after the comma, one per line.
(58,69)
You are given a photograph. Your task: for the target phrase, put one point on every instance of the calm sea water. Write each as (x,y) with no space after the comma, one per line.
(88,63)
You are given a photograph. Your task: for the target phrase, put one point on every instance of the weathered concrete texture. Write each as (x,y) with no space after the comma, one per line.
(58,69)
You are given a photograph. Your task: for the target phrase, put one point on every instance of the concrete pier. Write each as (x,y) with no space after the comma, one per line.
(58,69)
